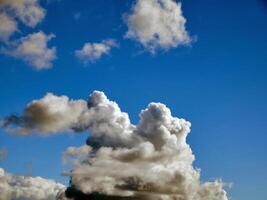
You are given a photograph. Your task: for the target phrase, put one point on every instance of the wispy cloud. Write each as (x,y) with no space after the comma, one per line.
(7,26)
(91,52)
(77,15)
(3,154)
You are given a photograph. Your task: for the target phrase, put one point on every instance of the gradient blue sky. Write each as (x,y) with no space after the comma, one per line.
(219,84)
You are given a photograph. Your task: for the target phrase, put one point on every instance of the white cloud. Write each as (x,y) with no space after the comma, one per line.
(94,51)
(33,47)
(149,160)
(13,187)
(33,50)
(7,26)
(157,24)
(28,12)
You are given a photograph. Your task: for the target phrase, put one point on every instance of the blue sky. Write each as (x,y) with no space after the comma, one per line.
(218,83)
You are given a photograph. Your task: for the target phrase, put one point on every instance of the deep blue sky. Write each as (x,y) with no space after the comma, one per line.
(219,84)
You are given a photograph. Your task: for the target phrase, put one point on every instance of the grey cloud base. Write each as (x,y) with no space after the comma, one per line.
(150,160)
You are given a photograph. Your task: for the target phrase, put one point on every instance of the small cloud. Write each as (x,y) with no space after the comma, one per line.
(77,15)
(3,154)
(33,50)
(94,51)
(157,24)
(73,153)
(7,26)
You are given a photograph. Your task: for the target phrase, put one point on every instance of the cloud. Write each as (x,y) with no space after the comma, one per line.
(157,24)
(79,153)
(149,160)
(13,187)
(51,114)
(77,15)
(3,154)
(94,51)
(33,49)
(29,12)
(7,27)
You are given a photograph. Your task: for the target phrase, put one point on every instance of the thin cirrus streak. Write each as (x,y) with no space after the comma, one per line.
(149,160)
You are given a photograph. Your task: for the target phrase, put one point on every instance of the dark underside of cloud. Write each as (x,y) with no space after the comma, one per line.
(75,194)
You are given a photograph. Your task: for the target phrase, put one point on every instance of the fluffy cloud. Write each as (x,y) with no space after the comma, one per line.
(94,51)
(150,160)
(14,187)
(28,12)
(51,114)
(7,26)
(33,50)
(157,24)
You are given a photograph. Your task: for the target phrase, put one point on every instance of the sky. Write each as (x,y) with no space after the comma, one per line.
(213,75)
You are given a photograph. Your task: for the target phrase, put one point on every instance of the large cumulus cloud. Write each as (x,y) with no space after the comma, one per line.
(149,160)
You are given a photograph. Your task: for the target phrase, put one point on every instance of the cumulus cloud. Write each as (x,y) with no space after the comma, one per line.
(34,50)
(13,187)
(149,160)
(157,24)
(91,52)
(28,12)
(51,114)
(7,27)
